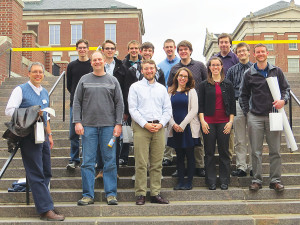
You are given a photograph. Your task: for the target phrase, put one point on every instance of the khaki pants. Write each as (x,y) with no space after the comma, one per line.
(148,147)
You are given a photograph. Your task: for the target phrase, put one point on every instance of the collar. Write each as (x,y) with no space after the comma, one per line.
(171,61)
(145,81)
(191,63)
(259,70)
(36,89)
(230,55)
(112,63)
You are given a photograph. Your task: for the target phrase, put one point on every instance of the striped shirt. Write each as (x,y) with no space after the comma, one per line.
(235,75)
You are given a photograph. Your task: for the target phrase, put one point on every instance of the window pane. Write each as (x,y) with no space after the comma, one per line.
(56,58)
(110,32)
(292,45)
(73,57)
(76,33)
(269,46)
(54,34)
(293,65)
(271,61)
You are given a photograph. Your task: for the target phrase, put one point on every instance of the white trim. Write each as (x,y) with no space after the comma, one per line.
(268,36)
(76,22)
(110,21)
(32,23)
(293,57)
(72,53)
(54,23)
(293,36)
(57,53)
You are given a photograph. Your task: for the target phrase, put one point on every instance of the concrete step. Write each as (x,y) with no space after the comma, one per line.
(196,194)
(176,208)
(289,219)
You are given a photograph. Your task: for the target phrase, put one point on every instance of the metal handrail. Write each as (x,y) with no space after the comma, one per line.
(292,95)
(62,75)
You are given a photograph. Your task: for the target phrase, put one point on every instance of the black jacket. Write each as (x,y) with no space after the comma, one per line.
(207,98)
(127,63)
(120,72)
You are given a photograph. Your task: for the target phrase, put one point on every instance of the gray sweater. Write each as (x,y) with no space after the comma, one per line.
(98,101)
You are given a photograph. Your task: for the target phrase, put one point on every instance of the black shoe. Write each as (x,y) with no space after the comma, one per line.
(175,174)
(167,162)
(200,172)
(122,162)
(224,186)
(188,186)
(251,173)
(179,186)
(238,173)
(212,187)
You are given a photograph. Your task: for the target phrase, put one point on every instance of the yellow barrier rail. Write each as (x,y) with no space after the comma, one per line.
(52,49)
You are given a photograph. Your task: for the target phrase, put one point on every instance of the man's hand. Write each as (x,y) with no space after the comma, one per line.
(51,141)
(150,127)
(117,130)
(157,127)
(278,104)
(79,129)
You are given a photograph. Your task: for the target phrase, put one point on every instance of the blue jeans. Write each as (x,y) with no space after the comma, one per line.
(90,140)
(74,138)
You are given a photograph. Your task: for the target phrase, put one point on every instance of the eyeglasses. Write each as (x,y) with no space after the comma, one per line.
(242,51)
(80,48)
(183,77)
(36,72)
(107,49)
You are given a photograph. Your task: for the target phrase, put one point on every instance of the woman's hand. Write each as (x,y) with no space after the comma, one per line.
(227,128)
(205,127)
(177,128)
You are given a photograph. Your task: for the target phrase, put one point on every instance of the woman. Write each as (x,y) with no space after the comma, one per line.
(184,126)
(217,110)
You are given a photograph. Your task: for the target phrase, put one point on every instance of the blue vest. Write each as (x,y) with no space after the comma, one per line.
(30,98)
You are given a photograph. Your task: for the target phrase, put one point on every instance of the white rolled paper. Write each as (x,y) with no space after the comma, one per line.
(275,91)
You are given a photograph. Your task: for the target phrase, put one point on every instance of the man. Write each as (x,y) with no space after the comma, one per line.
(235,75)
(36,157)
(166,65)
(133,56)
(150,108)
(75,70)
(257,102)
(114,67)
(185,49)
(98,110)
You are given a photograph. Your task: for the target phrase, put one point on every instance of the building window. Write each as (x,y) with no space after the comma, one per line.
(76,33)
(54,34)
(269,38)
(73,57)
(292,46)
(293,65)
(271,60)
(110,32)
(56,58)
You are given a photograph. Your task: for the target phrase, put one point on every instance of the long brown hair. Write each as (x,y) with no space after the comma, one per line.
(189,85)
(209,74)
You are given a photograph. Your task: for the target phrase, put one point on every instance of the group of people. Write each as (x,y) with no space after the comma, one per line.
(180,104)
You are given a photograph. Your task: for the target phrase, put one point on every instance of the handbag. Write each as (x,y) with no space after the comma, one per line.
(127,133)
(39,132)
(276,120)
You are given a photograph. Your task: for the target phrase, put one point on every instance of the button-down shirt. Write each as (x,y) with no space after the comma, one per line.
(109,68)
(149,102)
(166,66)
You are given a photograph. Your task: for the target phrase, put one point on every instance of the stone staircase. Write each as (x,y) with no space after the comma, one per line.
(235,206)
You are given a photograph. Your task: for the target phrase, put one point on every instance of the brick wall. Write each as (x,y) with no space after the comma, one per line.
(4,58)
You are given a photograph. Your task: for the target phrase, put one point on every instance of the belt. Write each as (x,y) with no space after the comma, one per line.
(154,121)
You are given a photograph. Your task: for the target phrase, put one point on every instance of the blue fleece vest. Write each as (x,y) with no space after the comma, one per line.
(30,98)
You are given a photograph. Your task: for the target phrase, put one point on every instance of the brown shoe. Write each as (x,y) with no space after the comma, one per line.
(140,200)
(99,175)
(159,199)
(52,216)
(255,186)
(277,187)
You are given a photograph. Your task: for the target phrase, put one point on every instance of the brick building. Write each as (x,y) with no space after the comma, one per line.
(60,23)
(280,21)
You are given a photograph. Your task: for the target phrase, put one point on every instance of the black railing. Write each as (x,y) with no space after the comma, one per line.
(10,158)
(292,96)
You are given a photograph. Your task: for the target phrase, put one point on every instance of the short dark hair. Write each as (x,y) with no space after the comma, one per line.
(185,43)
(108,41)
(225,35)
(260,45)
(147,45)
(82,41)
(240,45)
(168,41)
(149,61)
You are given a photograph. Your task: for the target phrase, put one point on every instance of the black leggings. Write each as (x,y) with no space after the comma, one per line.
(189,153)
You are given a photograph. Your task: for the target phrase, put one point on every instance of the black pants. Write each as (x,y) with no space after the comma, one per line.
(216,135)
(189,154)
(124,151)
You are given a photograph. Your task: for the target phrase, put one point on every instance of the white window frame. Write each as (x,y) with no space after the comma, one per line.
(73,54)
(272,60)
(293,68)
(269,38)
(75,31)
(293,46)
(108,25)
(57,54)
(56,24)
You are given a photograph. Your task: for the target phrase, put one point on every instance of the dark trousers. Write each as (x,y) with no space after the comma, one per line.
(214,136)
(124,150)
(181,153)
(37,163)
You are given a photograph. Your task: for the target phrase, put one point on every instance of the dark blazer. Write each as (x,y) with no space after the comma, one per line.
(207,98)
